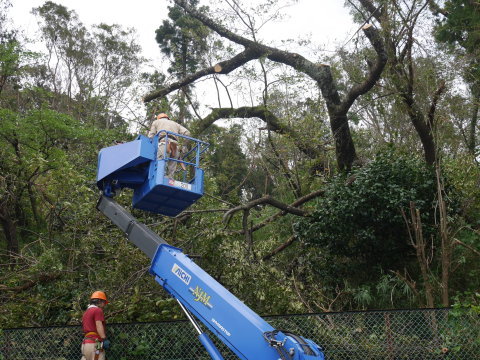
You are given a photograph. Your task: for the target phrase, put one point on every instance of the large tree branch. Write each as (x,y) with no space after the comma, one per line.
(296,203)
(223,67)
(39,279)
(267,116)
(267,199)
(280,248)
(375,70)
(372,9)
(321,74)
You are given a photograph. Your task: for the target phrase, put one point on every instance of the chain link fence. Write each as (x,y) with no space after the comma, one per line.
(428,334)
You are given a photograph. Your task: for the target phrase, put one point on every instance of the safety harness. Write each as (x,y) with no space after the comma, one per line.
(92,335)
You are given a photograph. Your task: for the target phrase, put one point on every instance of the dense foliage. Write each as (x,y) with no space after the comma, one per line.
(361,219)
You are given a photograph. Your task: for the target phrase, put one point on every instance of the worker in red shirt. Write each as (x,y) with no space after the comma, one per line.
(95,338)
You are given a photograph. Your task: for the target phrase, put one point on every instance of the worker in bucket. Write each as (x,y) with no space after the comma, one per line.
(173,147)
(95,340)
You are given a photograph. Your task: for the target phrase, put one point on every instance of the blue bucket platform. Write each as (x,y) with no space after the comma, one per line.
(135,165)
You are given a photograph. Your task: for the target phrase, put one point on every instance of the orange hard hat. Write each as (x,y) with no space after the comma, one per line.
(162,115)
(99,295)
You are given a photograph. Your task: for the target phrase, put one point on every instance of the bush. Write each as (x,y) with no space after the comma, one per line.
(359,220)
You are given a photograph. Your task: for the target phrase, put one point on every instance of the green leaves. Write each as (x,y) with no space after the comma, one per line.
(361,218)
(359,222)
(183,40)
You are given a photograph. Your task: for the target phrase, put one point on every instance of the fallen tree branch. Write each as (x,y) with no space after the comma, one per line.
(471,248)
(264,200)
(39,279)
(282,247)
(296,203)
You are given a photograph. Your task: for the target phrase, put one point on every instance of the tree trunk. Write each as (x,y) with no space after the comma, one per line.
(417,240)
(447,244)
(10,230)
(426,137)
(472,143)
(344,147)
(182,108)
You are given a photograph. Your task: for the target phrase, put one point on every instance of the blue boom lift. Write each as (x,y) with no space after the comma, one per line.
(136,165)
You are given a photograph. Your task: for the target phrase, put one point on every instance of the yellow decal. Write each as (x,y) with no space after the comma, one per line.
(201,296)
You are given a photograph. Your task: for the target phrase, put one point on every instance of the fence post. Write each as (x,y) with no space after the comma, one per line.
(6,345)
(390,346)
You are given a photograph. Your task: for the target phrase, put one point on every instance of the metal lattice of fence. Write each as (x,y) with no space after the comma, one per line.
(430,334)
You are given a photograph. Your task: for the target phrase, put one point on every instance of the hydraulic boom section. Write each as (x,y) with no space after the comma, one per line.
(202,297)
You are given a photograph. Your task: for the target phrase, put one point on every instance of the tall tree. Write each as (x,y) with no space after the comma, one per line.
(182,39)
(10,50)
(93,71)
(337,105)
(400,44)
(459,28)
(64,35)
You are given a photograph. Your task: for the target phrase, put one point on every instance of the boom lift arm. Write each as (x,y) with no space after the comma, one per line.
(138,166)
(200,296)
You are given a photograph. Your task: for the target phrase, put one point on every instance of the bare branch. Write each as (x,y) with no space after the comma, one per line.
(267,116)
(267,199)
(375,71)
(296,203)
(282,247)
(223,67)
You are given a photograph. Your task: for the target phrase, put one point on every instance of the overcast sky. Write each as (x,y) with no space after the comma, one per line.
(326,20)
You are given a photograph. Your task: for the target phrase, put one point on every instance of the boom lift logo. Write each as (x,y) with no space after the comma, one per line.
(201,296)
(182,274)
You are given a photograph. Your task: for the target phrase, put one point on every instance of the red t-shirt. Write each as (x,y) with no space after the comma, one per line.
(93,313)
